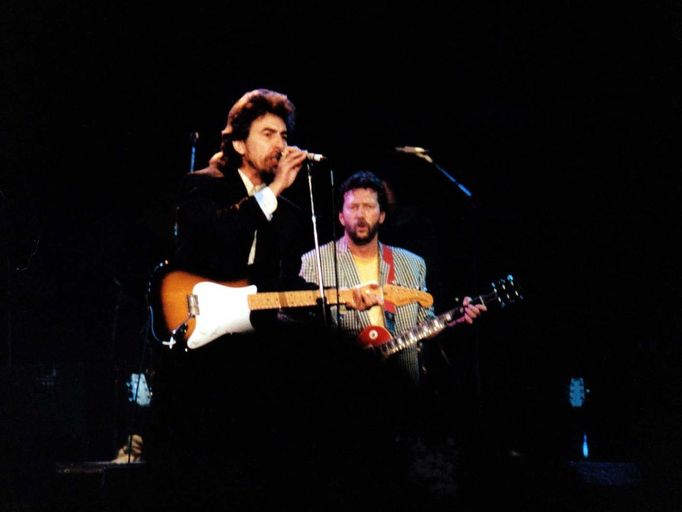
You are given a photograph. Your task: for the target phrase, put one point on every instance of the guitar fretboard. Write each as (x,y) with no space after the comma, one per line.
(302,298)
(412,336)
(295,299)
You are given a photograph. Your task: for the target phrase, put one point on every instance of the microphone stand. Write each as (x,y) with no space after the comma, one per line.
(475,249)
(322,299)
(423,155)
(193,137)
(336,257)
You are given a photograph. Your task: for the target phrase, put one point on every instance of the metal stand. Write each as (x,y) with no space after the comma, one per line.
(322,299)
(424,155)
(193,137)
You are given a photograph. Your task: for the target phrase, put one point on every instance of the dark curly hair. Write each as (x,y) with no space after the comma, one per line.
(245,111)
(364,179)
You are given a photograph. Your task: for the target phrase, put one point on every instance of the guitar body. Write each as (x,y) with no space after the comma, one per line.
(191,309)
(373,336)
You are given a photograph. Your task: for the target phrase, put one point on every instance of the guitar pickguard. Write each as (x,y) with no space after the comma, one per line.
(214,300)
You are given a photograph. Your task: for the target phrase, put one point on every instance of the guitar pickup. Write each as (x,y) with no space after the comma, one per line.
(193,305)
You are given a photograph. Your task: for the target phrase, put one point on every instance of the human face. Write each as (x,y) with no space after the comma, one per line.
(262,149)
(361,215)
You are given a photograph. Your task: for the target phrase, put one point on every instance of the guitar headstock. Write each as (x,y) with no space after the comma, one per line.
(399,296)
(506,291)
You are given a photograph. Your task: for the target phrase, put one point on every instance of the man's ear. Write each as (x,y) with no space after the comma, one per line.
(341,219)
(382,216)
(239,146)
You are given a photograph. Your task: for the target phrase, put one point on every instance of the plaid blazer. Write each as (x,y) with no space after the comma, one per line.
(409,272)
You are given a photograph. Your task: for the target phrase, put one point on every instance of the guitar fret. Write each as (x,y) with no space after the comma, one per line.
(283,300)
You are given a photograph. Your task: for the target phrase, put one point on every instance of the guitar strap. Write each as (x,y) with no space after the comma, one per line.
(389,307)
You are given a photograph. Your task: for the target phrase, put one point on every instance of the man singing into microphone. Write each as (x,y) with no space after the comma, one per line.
(232,221)
(231,420)
(219,412)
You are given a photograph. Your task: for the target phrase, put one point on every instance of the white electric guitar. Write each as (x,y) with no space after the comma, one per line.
(191,310)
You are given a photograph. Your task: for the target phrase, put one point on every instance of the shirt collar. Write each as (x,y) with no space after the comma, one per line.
(251,189)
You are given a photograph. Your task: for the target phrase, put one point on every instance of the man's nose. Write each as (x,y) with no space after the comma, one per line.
(280,143)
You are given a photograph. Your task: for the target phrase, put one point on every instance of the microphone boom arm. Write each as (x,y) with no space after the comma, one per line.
(423,154)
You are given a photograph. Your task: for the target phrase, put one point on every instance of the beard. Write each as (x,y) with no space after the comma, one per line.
(267,175)
(372,230)
(266,169)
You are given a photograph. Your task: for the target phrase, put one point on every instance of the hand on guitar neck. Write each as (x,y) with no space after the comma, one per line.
(366,296)
(470,310)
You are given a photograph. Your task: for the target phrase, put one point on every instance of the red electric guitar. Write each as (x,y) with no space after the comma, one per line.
(503,292)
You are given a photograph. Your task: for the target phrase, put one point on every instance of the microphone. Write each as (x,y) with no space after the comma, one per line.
(414,150)
(314,157)
(311,157)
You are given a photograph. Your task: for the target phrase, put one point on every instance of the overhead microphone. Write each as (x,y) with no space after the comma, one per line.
(415,150)
(424,155)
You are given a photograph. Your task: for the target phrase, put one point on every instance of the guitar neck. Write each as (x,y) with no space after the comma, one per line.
(296,299)
(431,327)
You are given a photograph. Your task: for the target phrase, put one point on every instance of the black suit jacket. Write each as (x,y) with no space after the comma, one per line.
(216,221)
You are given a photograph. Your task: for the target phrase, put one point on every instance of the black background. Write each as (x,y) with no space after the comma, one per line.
(563,121)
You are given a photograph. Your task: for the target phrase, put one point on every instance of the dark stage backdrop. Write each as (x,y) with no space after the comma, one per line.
(561,121)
